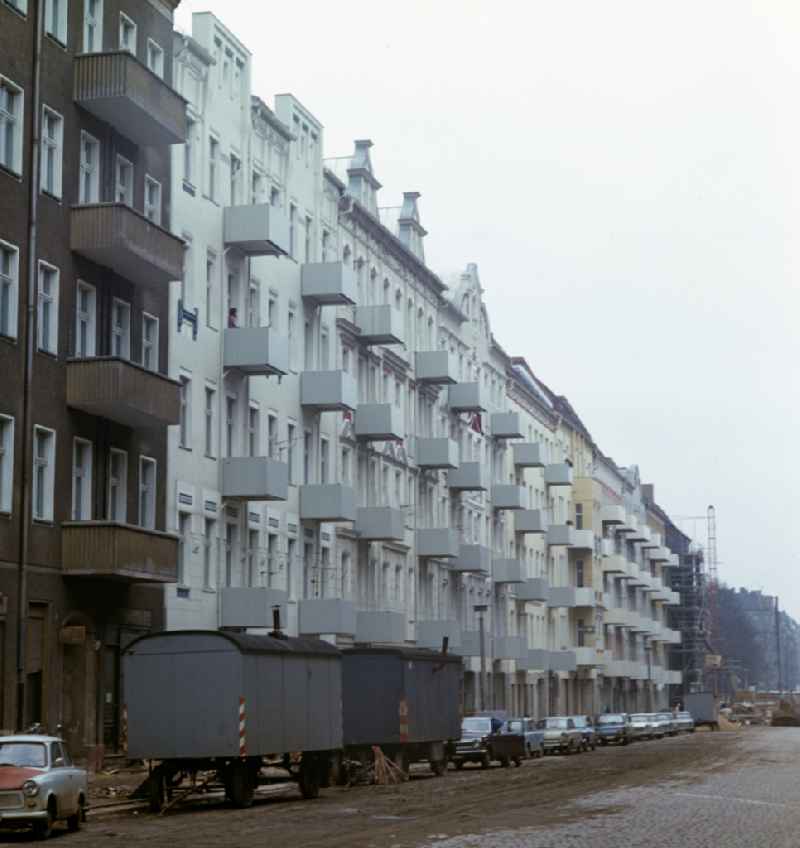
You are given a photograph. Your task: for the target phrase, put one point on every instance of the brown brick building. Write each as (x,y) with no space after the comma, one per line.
(84,216)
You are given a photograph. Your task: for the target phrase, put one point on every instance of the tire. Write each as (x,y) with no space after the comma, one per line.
(156,790)
(517,761)
(505,762)
(439,767)
(626,741)
(528,752)
(541,752)
(486,760)
(459,764)
(309,781)
(44,829)
(74,821)
(239,785)
(604,742)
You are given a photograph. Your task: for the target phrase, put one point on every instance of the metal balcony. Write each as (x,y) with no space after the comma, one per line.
(585,656)
(380,626)
(380,524)
(528,455)
(121,91)
(251,606)
(615,668)
(558,474)
(508,571)
(563,661)
(533,589)
(473,558)
(329,616)
(106,549)
(435,367)
(437,453)
(466,397)
(560,535)
(328,283)
(379,422)
(254,478)
(506,425)
(530,521)
(468,477)
(328,391)
(637,577)
(379,325)
(258,229)
(614,564)
(639,534)
(537,659)
(612,514)
(561,597)
(438,543)
(117,237)
(431,633)
(510,647)
(327,502)
(256,351)
(505,496)
(122,391)
(583,540)
(615,615)
(585,596)
(658,554)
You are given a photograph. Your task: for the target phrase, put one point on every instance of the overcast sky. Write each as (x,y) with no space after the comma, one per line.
(626,177)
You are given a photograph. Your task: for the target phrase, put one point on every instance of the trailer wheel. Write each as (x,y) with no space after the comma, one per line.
(439,767)
(239,784)
(157,790)
(486,760)
(309,777)
(459,764)
(505,762)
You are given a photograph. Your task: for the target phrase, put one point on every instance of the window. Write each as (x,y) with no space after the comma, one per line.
(230,543)
(188,152)
(81,480)
(127,34)
(325,240)
(236,175)
(55,19)
(6,462)
(9,289)
(345,465)
(274,197)
(149,342)
(579,574)
(306,457)
(48,308)
(209,422)
(252,557)
(120,329)
(184,436)
(290,451)
(290,332)
(213,151)
(323,460)
(10,126)
(155,58)
(308,240)
(147,492)
(254,304)
(124,181)
(186,277)
(578,516)
(44,453)
(230,424)
(52,142)
(85,323)
(256,188)
(253,424)
(292,227)
(210,531)
(211,276)
(89,188)
(272,312)
(184,545)
(152,200)
(117,485)
(92,26)
(272,436)
(20,5)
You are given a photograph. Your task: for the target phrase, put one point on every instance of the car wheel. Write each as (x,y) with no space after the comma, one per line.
(541,752)
(44,828)
(74,821)
(517,761)
(604,742)
(486,761)
(626,741)
(439,767)
(505,762)
(459,764)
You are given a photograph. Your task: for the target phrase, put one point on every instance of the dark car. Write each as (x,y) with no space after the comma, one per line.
(483,741)
(584,724)
(613,727)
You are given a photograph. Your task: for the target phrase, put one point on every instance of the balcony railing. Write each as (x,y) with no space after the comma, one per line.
(560,535)
(251,606)
(380,524)
(528,455)
(533,589)
(378,422)
(256,351)
(258,229)
(123,392)
(558,474)
(333,616)
(327,502)
(439,543)
(509,496)
(379,325)
(506,425)
(380,626)
(430,634)
(473,558)
(255,478)
(508,571)
(328,283)
(437,453)
(530,521)
(436,367)
(466,397)
(510,647)
(120,90)
(328,391)
(468,477)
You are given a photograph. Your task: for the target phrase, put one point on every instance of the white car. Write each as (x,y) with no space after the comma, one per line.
(39,785)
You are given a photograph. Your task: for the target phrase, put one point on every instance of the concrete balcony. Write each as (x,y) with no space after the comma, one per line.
(612,514)
(122,391)
(328,391)
(468,477)
(437,453)
(560,535)
(673,562)
(106,549)
(585,596)
(583,540)
(658,554)
(328,283)
(117,237)
(561,597)
(435,367)
(563,660)
(438,543)
(258,229)
(327,502)
(636,622)
(530,521)
(380,627)
(528,455)
(254,478)
(380,524)
(614,564)
(121,91)
(585,656)
(615,615)
(639,534)
(637,670)
(466,397)
(533,589)
(558,474)
(615,668)
(379,325)
(379,422)
(671,598)
(431,633)
(510,647)
(508,571)
(476,559)
(506,425)
(471,644)
(251,606)
(329,616)
(505,496)
(256,351)
(537,659)
(636,577)
(672,636)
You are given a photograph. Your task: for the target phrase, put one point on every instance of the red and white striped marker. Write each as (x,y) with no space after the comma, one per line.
(403,715)
(242,728)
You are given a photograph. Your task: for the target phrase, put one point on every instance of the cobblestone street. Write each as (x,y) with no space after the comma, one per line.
(738,790)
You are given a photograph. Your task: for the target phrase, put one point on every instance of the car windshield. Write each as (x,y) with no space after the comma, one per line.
(32,754)
(553,724)
(640,717)
(477,725)
(579,721)
(610,719)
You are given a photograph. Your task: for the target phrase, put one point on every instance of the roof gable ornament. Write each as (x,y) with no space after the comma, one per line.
(361,181)
(410,231)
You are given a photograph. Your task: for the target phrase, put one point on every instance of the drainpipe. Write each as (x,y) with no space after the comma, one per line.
(30,332)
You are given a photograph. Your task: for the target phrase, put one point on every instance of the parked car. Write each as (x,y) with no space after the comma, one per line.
(560,734)
(661,724)
(613,727)
(685,722)
(669,723)
(642,726)
(39,785)
(482,741)
(584,724)
(526,727)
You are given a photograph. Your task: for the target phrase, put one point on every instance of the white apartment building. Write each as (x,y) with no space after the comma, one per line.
(357,450)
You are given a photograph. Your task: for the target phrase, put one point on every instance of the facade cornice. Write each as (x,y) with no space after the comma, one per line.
(260,109)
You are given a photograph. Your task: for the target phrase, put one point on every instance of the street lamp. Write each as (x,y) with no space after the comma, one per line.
(481,609)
